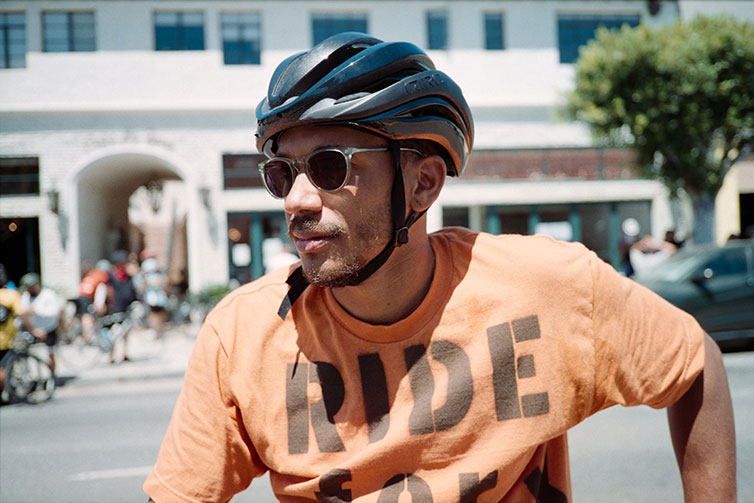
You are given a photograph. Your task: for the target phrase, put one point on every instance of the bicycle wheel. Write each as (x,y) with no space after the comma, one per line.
(29,379)
(80,354)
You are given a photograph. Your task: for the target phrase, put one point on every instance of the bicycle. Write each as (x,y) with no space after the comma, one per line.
(81,351)
(75,349)
(28,378)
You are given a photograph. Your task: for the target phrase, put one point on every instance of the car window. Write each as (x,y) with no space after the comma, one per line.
(727,262)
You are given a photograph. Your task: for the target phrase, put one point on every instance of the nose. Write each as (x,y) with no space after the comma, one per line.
(304,198)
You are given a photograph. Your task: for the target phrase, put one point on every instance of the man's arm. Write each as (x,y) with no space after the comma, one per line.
(703,433)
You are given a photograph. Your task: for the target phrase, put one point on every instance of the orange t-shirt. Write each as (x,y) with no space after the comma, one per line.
(468,399)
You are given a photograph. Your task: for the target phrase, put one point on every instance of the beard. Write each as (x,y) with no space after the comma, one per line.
(341,267)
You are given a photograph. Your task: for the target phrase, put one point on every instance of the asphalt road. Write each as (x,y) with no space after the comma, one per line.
(96,443)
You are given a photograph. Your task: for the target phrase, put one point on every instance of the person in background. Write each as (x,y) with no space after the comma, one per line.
(122,293)
(41,311)
(10,308)
(92,299)
(133,268)
(648,253)
(151,284)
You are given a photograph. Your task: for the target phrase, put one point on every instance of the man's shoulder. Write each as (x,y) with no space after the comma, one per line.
(257,296)
(508,247)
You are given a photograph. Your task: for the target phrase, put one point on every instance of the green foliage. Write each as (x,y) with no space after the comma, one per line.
(681,96)
(211,295)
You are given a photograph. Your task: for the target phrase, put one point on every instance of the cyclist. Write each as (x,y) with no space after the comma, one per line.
(121,293)
(92,299)
(10,307)
(41,311)
(388,360)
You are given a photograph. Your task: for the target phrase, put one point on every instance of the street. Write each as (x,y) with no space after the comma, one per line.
(96,442)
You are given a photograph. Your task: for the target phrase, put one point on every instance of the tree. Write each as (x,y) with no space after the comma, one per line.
(680,96)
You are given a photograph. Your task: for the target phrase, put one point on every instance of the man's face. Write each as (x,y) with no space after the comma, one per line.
(336,234)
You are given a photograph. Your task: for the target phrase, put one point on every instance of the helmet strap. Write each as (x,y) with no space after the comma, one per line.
(401,224)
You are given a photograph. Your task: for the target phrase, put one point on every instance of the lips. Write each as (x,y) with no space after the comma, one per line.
(310,235)
(309,243)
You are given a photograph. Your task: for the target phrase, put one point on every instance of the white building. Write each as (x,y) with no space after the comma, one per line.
(101,98)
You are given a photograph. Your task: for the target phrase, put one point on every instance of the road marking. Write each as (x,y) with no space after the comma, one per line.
(117,473)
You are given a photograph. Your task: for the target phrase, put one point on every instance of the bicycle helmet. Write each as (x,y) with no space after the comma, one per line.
(390,89)
(30,279)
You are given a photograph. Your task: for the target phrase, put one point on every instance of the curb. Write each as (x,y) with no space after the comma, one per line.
(147,359)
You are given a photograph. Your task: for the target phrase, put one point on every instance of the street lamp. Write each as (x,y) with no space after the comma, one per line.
(154,193)
(204,193)
(53,200)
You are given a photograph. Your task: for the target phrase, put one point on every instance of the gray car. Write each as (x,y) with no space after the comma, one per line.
(714,284)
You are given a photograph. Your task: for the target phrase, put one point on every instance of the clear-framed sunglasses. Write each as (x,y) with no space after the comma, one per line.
(328,169)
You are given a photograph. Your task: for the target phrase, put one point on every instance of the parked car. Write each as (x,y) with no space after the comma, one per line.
(714,284)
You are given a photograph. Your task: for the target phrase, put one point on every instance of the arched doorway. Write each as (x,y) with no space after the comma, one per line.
(133,201)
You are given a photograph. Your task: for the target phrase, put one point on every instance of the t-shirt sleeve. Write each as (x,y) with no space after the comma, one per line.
(206,454)
(646,350)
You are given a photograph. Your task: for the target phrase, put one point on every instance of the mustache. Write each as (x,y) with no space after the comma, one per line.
(310,224)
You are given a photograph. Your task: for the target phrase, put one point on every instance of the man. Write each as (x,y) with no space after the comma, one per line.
(448,366)
(92,299)
(121,293)
(41,308)
(648,253)
(10,307)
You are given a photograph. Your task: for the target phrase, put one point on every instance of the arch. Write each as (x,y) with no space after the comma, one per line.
(100,189)
(139,153)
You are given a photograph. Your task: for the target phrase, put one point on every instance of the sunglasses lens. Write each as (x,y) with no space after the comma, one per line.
(328,169)
(278,178)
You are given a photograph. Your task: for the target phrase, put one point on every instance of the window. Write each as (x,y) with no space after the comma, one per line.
(241,38)
(19,176)
(437,30)
(327,25)
(575,30)
(241,171)
(12,40)
(257,244)
(68,31)
(179,31)
(453,216)
(493,31)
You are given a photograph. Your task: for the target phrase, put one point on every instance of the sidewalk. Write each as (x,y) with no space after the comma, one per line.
(148,358)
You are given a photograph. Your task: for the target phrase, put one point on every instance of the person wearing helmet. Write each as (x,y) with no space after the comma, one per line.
(92,299)
(42,308)
(390,360)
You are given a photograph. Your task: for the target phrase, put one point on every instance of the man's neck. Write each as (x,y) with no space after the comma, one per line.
(395,290)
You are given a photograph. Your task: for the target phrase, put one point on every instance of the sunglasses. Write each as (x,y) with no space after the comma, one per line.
(328,169)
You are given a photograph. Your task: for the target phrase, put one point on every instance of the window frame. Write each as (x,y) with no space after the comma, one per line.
(570,54)
(27,175)
(500,23)
(240,171)
(73,40)
(7,40)
(251,50)
(180,27)
(335,17)
(432,17)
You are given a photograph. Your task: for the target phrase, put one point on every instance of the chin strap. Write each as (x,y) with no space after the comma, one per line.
(296,279)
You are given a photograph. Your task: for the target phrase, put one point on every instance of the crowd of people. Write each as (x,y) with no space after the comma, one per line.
(110,287)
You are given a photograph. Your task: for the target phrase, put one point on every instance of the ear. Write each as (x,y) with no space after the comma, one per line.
(423,180)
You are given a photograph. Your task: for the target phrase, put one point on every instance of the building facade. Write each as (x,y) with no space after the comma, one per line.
(131,125)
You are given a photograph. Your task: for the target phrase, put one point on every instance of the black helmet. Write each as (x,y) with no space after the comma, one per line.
(388,88)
